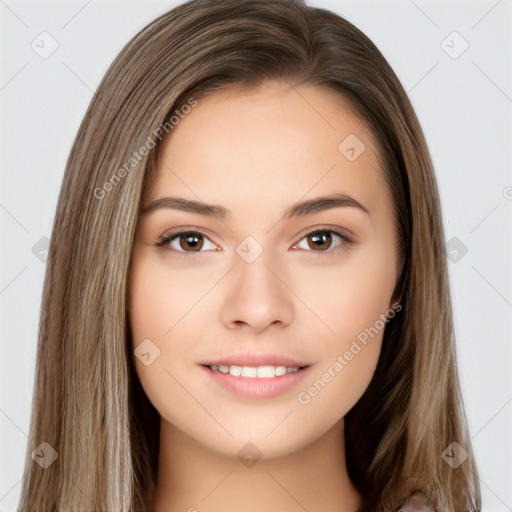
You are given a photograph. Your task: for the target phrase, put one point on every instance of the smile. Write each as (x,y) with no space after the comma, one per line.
(258,372)
(255,381)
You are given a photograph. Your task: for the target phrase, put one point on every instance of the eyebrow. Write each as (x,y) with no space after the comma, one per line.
(299,209)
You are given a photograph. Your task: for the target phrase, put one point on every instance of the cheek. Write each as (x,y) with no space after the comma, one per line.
(351,301)
(348,297)
(166,307)
(160,297)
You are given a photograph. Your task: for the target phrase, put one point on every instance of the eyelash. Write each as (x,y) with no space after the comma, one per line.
(169,237)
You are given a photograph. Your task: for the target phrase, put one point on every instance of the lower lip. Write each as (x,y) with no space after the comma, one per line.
(254,387)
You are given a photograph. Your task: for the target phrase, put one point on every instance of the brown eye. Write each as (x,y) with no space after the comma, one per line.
(183,242)
(324,242)
(320,240)
(193,241)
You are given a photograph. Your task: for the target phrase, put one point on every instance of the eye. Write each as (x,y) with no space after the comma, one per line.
(192,242)
(322,240)
(187,242)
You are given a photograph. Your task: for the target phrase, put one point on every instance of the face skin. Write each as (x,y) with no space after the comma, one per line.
(256,152)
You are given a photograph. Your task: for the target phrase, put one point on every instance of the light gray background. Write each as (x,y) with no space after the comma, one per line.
(464,105)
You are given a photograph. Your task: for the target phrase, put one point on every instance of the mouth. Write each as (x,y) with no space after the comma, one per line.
(255,375)
(255,372)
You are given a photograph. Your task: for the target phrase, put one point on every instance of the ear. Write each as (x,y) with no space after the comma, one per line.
(398,294)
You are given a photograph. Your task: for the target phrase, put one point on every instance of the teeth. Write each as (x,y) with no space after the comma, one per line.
(254,371)
(235,370)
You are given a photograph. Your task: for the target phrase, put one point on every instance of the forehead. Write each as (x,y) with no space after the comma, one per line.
(268,144)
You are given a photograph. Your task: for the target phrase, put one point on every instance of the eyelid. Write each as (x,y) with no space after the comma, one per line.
(346,240)
(173,233)
(328,228)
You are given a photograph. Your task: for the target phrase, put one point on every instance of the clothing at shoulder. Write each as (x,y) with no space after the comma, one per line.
(416,502)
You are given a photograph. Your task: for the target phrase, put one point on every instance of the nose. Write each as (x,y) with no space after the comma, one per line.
(257,297)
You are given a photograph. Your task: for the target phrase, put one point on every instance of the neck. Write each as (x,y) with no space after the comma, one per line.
(193,478)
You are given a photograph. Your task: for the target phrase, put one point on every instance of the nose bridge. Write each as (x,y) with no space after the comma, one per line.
(255,295)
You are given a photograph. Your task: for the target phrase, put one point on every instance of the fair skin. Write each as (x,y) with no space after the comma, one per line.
(256,152)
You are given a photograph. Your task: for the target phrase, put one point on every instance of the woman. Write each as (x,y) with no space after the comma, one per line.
(254,373)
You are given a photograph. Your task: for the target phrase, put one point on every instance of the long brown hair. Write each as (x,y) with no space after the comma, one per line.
(88,404)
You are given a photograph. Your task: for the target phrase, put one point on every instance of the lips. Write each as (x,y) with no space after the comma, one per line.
(249,382)
(257,359)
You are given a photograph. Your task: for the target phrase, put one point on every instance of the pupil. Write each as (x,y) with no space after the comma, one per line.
(192,241)
(324,239)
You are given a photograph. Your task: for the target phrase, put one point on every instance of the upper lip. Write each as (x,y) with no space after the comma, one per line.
(257,359)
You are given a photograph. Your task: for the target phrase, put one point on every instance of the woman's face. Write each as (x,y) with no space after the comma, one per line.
(267,278)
